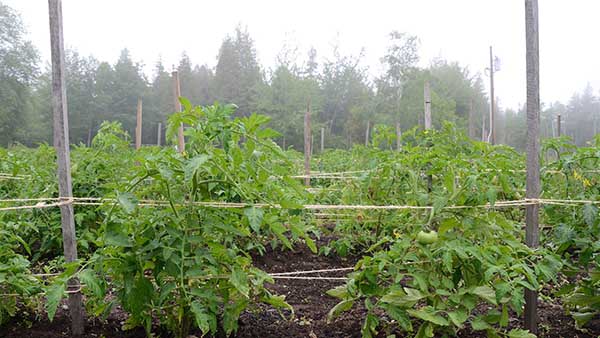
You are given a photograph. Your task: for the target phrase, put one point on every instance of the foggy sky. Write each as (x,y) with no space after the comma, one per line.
(457,30)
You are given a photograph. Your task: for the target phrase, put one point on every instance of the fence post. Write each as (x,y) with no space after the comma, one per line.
(307,148)
(177,104)
(533,148)
(427,102)
(558,131)
(138,126)
(367,133)
(61,143)
(159,134)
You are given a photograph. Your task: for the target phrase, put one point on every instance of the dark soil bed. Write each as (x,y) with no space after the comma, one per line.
(311,305)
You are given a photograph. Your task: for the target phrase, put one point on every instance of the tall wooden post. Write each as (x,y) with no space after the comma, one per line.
(558,126)
(322,140)
(177,105)
(398,137)
(533,148)
(492,135)
(138,126)
(307,143)
(427,103)
(367,133)
(61,143)
(159,134)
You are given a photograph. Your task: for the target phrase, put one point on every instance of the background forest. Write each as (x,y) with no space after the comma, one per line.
(344,96)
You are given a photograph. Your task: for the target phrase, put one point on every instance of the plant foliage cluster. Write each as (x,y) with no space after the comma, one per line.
(172,263)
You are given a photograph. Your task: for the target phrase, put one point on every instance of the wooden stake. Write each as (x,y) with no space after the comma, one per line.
(307,150)
(558,132)
(322,140)
(177,105)
(427,102)
(138,126)
(61,143)
(367,133)
(159,134)
(533,148)
(398,137)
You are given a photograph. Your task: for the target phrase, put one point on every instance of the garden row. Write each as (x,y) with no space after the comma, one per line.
(154,248)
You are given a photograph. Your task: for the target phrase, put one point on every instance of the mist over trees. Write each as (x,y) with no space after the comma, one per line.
(343,95)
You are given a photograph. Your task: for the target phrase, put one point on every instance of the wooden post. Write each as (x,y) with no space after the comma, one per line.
(283,142)
(138,126)
(533,148)
(367,133)
(322,140)
(177,105)
(398,137)
(159,134)
(492,135)
(427,102)
(307,150)
(61,143)
(558,131)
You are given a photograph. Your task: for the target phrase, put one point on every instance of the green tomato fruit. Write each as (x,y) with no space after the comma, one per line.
(427,237)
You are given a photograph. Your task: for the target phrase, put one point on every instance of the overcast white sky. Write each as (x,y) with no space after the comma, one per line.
(457,30)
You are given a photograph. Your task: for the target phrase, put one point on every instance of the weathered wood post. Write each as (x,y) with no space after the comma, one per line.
(159,134)
(533,148)
(367,133)
(307,148)
(398,137)
(61,143)
(427,103)
(177,105)
(322,140)
(558,126)
(138,125)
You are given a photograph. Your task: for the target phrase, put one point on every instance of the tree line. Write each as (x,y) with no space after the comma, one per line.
(342,95)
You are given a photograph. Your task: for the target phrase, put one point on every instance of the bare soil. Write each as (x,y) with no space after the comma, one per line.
(309,300)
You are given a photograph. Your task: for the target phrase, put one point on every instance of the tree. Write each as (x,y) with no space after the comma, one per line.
(347,97)
(238,76)
(18,71)
(159,104)
(129,84)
